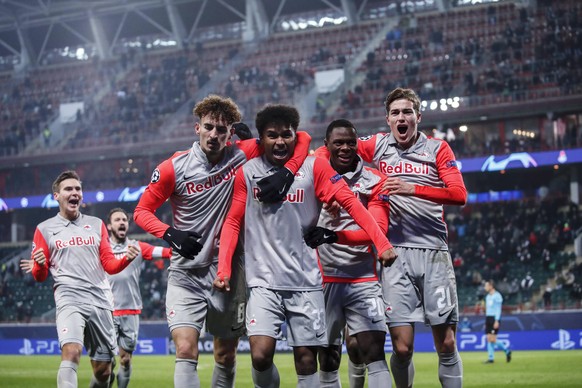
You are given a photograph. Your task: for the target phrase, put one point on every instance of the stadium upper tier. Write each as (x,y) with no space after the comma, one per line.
(498,67)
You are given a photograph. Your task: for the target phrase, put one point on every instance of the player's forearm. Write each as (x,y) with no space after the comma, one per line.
(300,153)
(111,265)
(147,220)
(442,195)
(363,218)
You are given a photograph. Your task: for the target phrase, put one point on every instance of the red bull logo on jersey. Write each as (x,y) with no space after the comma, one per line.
(296,197)
(210,182)
(75,241)
(405,168)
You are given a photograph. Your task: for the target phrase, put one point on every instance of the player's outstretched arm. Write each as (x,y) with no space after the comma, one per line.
(230,232)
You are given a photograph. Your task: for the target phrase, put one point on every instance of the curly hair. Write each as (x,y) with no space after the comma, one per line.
(277,114)
(401,93)
(70,174)
(218,108)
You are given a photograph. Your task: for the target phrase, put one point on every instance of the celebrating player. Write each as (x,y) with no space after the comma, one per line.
(125,287)
(282,272)
(353,295)
(75,248)
(199,184)
(493,304)
(422,177)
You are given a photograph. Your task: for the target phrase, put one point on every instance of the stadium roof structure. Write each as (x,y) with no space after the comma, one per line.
(31,28)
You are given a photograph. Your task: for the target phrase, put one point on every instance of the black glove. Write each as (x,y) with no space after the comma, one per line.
(242,131)
(183,242)
(274,188)
(318,235)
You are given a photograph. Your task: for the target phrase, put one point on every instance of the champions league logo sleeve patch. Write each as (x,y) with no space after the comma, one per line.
(336,178)
(155,176)
(452,163)
(384,197)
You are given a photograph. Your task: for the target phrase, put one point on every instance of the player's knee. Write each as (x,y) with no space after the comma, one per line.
(227,359)
(448,345)
(186,350)
(125,360)
(305,360)
(102,372)
(261,360)
(71,352)
(403,351)
(329,359)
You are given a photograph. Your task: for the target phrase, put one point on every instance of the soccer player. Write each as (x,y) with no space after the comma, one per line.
(125,288)
(493,304)
(422,177)
(75,248)
(199,184)
(282,272)
(353,295)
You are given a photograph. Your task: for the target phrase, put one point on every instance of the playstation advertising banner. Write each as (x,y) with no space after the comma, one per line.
(521,340)
(529,331)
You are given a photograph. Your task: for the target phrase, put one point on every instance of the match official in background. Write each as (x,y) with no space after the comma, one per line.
(493,305)
(75,249)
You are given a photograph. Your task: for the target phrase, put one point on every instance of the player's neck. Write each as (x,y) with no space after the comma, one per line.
(117,240)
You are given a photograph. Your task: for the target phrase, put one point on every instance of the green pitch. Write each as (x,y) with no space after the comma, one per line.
(527,369)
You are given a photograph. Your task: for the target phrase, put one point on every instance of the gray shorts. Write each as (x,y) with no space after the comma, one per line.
(359,305)
(87,325)
(304,311)
(420,287)
(191,299)
(126,328)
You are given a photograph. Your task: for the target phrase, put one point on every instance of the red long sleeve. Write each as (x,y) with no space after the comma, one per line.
(379,209)
(454,192)
(110,264)
(150,252)
(330,185)
(40,272)
(154,196)
(232,226)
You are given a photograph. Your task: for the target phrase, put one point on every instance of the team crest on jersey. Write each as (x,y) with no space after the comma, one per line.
(336,178)
(299,175)
(155,176)
(452,163)
(364,138)
(87,227)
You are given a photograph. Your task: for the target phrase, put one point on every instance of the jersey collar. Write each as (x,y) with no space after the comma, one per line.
(417,148)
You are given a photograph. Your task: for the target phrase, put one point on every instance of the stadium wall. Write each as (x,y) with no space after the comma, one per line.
(531,331)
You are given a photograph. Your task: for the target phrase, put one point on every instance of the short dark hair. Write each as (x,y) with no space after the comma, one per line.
(491,282)
(277,114)
(218,108)
(343,123)
(402,93)
(116,210)
(69,174)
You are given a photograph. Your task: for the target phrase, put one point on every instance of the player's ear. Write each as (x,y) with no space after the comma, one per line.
(197,128)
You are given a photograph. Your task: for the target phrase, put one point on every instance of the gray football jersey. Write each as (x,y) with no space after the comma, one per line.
(276,256)
(75,264)
(345,261)
(201,198)
(125,284)
(414,222)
